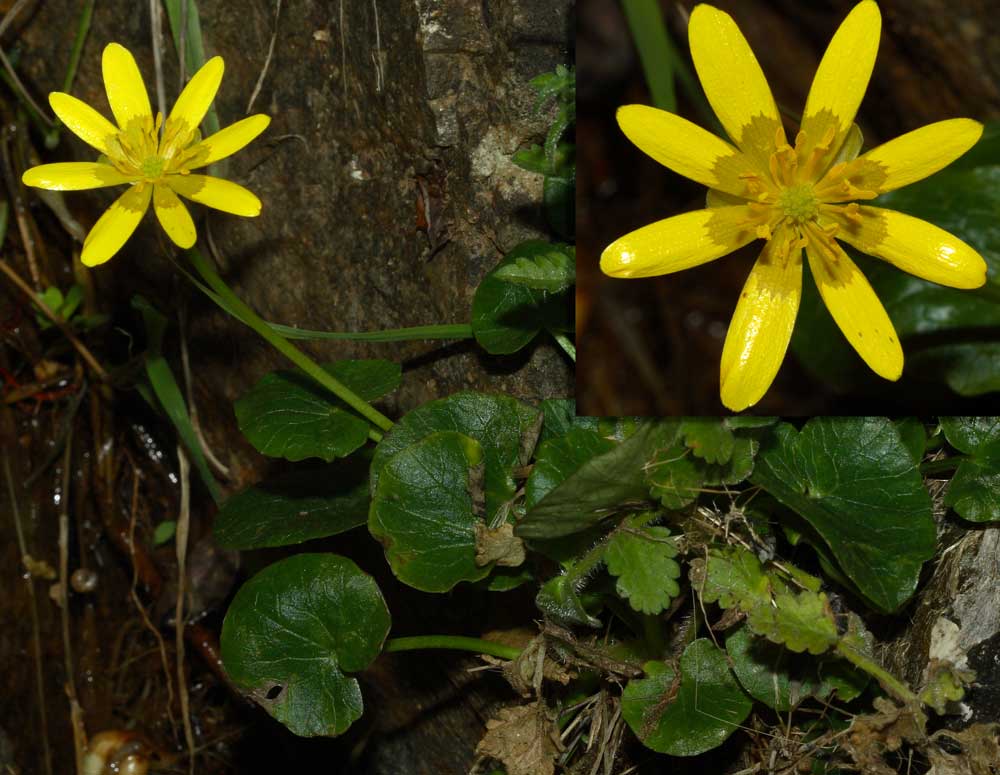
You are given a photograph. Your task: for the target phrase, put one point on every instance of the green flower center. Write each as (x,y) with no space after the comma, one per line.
(152,167)
(799,203)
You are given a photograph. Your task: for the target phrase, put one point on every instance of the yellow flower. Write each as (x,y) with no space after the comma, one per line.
(156,167)
(794,198)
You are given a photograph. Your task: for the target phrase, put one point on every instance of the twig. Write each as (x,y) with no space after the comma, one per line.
(156,30)
(217,464)
(35,299)
(343,51)
(20,213)
(36,640)
(267,60)
(75,710)
(180,544)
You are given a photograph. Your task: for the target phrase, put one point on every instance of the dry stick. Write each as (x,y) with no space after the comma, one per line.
(14,190)
(75,711)
(138,603)
(267,60)
(180,543)
(156,30)
(44,308)
(343,51)
(217,464)
(35,629)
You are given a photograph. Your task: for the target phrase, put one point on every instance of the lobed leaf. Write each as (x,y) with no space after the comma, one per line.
(642,559)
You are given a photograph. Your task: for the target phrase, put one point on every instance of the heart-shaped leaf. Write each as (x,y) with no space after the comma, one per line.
(506,429)
(600,486)
(974,490)
(854,481)
(425,510)
(689,713)
(299,506)
(295,630)
(288,415)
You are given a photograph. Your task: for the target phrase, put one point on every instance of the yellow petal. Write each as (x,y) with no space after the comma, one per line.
(174,217)
(678,243)
(854,305)
(113,229)
(229,140)
(81,119)
(842,77)
(734,83)
(215,192)
(123,83)
(762,324)
(74,176)
(197,96)
(687,149)
(922,152)
(915,246)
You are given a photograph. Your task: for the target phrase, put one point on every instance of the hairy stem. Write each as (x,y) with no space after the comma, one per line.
(887,680)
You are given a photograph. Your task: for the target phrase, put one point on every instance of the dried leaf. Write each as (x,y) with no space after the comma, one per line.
(524,738)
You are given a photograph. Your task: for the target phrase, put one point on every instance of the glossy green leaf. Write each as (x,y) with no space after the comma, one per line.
(974,490)
(286,414)
(599,487)
(506,428)
(560,417)
(970,369)
(782,679)
(559,458)
(914,437)
(854,481)
(553,271)
(690,713)
(296,507)
(642,560)
(506,317)
(293,633)
(425,510)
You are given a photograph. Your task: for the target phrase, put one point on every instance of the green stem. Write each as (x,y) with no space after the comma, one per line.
(944,464)
(476,645)
(656,51)
(563,341)
(447,331)
(589,561)
(82,28)
(250,318)
(887,680)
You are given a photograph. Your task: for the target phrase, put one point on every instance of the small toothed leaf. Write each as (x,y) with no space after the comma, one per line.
(643,561)
(731,577)
(553,271)
(801,622)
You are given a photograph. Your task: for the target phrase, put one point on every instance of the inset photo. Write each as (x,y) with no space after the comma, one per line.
(787,209)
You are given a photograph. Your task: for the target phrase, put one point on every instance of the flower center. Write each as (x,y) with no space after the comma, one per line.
(152,167)
(799,203)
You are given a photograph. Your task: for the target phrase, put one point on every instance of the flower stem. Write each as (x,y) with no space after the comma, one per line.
(458,642)
(563,341)
(445,331)
(887,680)
(244,314)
